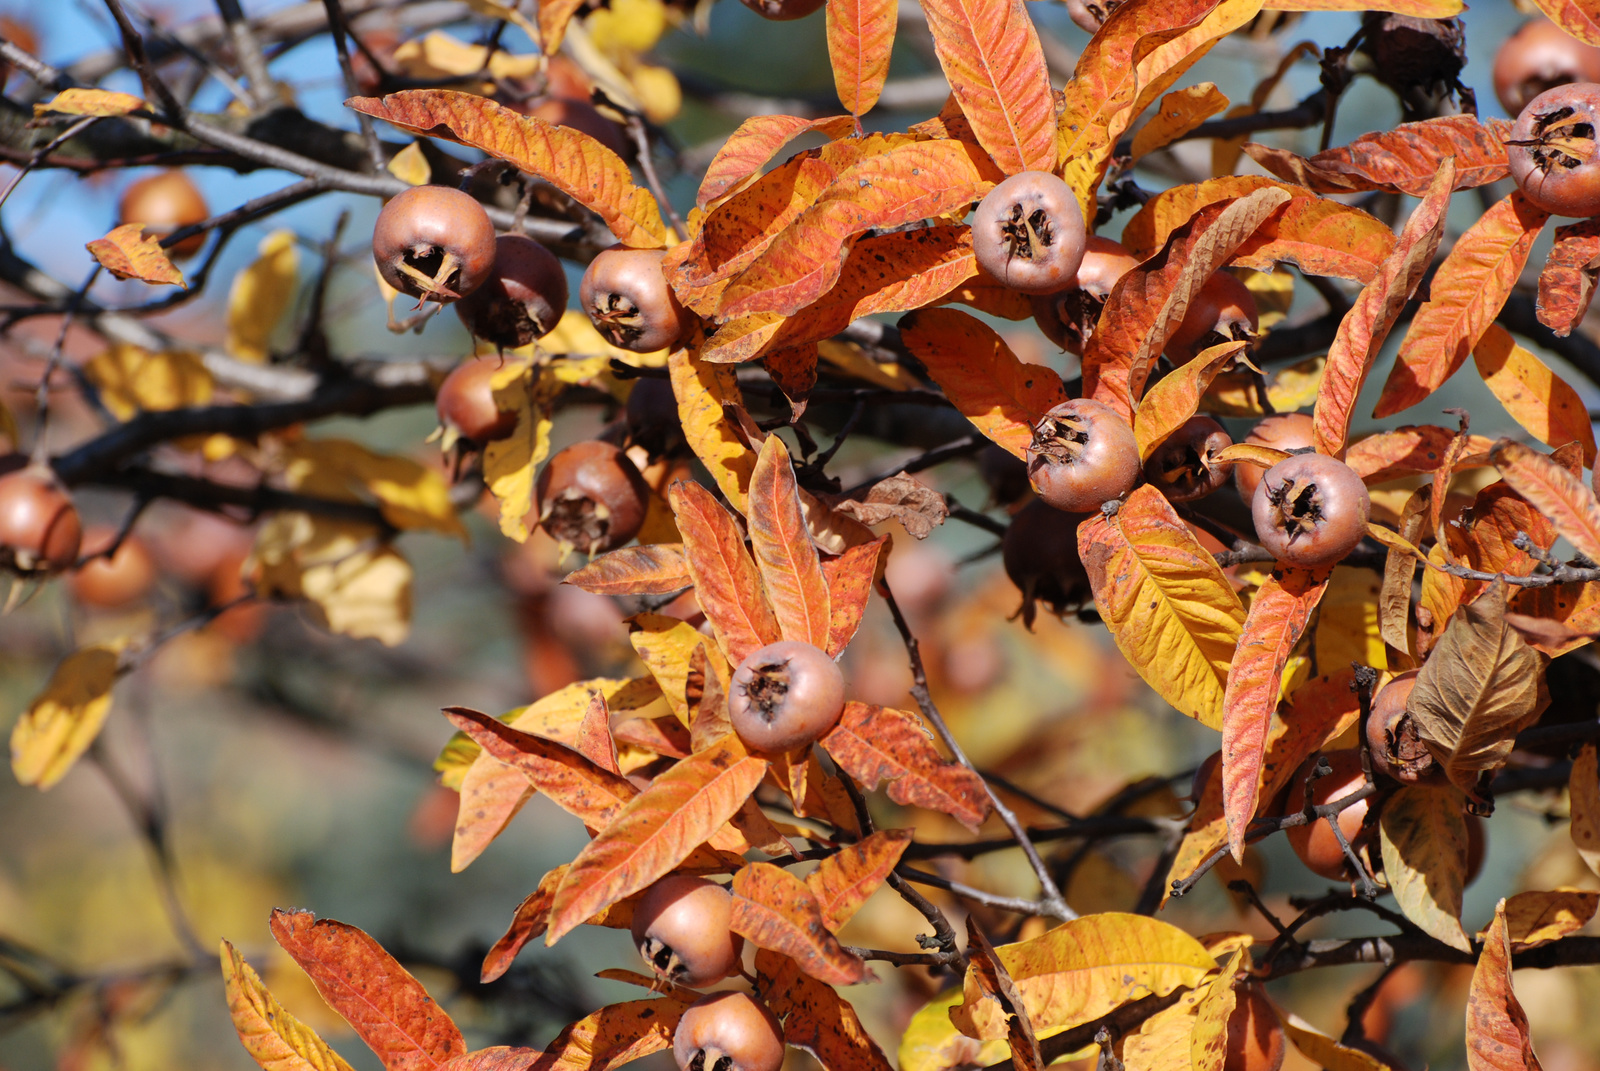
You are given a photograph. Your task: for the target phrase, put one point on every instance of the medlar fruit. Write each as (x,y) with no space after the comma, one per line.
(1552,150)
(434,243)
(522,299)
(466,402)
(627,297)
(591,496)
(784,695)
(1068,317)
(165,202)
(1028,233)
(680,927)
(1223,311)
(728,1032)
(1314,842)
(1540,56)
(40,532)
(1083,454)
(1181,467)
(1310,510)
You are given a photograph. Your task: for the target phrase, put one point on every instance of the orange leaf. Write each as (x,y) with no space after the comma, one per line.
(1537,398)
(860,38)
(1566,284)
(1580,19)
(1497,1027)
(576,784)
(553,18)
(850,577)
(903,185)
(491,795)
(1405,159)
(655,569)
(656,831)
(791,569)
(594,733)
(1422,9)
(980,375)
(1364,328)
(1278,617)
(1150,301)
(128,253)
(843,881)
(527,923)
(726,582)
(495,1058)
(775,910)
(1499,514)
(615,1035)
(990,981)
(875,744)
(389,1009)
(815,1017)
(1176,397)
(1465,296)
(991,55)
(571,161)
(756,141)
(1405,451)
(1554,492)
(1180,112)
(1320,237)
(273,1037)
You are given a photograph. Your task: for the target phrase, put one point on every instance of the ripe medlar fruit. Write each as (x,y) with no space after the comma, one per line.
(1552,150)
(164,202)
(434,243)
(591,496)
(784,695)
(1083,454)
(1028,233)
(1282,431)
(1068,317)
(627,297)
(1255,1034)
(40,532)
(728,1032)
(1540,56)
(522,299)
(1040,554)
(466,402)
(1311,509)
(1223,311)
(1393,740)
(1314,842)
(680,927)
(124,577)
(1181,467)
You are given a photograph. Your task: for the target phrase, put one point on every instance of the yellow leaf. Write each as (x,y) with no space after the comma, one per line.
(931,1041)
(1538,399)
(848,358)
(665,645)
(1289,388)
(575,336)
(629,26)
(61,723)
(660,95)
(128,253)
(410,495)
(131,379)
(259,296)
(1164,1040)
(410,166)
(1347,629)
(1274,294)
(509,463)
(1208,1045)
(1325,1052)
(703,390)
(1423,837)
(1180,112)
(354,585)
(439,55)
(1537,918)
(101,102)
(272,1036)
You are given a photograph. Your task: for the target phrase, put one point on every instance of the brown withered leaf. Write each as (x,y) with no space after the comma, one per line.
(573,782)
(657,830)
(1554,491)
(385,1005)
(876,744)
(815,1017)
(1399,570)
(917,507)
(1537,918)
(128,253)
(785,554)
(653,569)
(1497,1027)
(1481,686)
(850,577)
(1364,328)
(1465,296)
(994,983)
(843,881)
(1566,284)
(1548,635)
(615,1035)
(1404,159)
(775,910)
(756,141)
(727,582)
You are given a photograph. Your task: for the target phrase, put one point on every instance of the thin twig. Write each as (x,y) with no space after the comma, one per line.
(41,398)
(369,131)
(263,91)
(641,141)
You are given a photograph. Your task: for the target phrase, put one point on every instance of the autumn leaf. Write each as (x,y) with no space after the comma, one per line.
(1325,1052)
(775,910)
(509,464)
(1538,399)
(388,1008)
(1208,1045)
(64,719)
(573,782)
(1279,614)
(785,555)
(1584,792)
(1423,837)
(655,569)
(571,161)
(1003,397)
(849,578)
(756,141)
(131,379)
(1567,280)
(272,1036)
(1180,112)
(1172,613)
(1497,1027)
(860,39)
(876,744)
(994,984)
(656,831)
(902,499)
(104,103)
(614,1035)
(1578,18)
(490,796)
(705,392)
(1403,159)
(528,923)
(259,296)
(1165,1040)
(815,1017)
(844,880)
(1407,450)
(667,647)
(1176,397)
(1538,918)
(128,253)
(1367,324)
(728,584)
(1554,492)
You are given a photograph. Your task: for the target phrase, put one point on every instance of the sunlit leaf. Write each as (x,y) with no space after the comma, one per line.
(786,556)
(1554,492)
(260,295)
(728,582)
(843,881)
(614,1035)
(131,379)
(860,38)
(876,744)
(128,253)
(105,103)
(1403,159)
(272,1036)
(1538,399)
(815,1017)
(850,577)
(64,719)
(704,391)
(1567,280)
(990,54)
(1538,918)
(775,910)
(1180,112)
(753,144)
(1578,18)
(656,569)
(1497,1027)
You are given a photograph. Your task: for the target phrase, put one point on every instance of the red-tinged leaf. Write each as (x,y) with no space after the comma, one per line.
(594,734)
(615,1035)
(657,830)
(791,569)
(726,581)
(1566,284)
(1179,113)
(1580,18)
(1406,451)
(756,141)
(654,569)
(1422,9)
(980,375)
(491,795)
(884,273)
(1554,492)
(860,38)
(850,577)
(1406,158)
(495,1058)
(527,924)
(1465,296)
(1172,613)
(843,881)
(553,18)
(992,982)
(906,184)
(1497,1027)
(388,1008)
(991,55)
(1278,617)
(1537,398)
(571,161)
(1176,397)
(775,910)
(815,1017)
(576,784)
(1364,328)
(1499,515)
(1150,301)
(876,744)
(128,253)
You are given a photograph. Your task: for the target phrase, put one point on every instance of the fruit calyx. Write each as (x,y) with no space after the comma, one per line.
(1562,138)
(1061,440)
(1296,507)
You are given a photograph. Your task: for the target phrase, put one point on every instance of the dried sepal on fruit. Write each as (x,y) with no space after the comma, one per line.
(591,497)
(626,296)
(434,243)
(681,928)
(522,299)
(40,531)
(728,1032)
(1028,233)
(1182,468)
(1552,150)
(1311,510)
(1083,454)
(785,695)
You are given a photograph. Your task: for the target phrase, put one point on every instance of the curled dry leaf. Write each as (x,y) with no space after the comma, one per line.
(775,910)
(1538,918)
(904,499)
(994,984)
(1497,1027)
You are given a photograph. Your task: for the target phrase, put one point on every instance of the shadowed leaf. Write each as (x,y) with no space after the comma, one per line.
(1584,790)
(994,984)
(1538,399)
(1423,836)
(1538,918)
(1497,1027)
